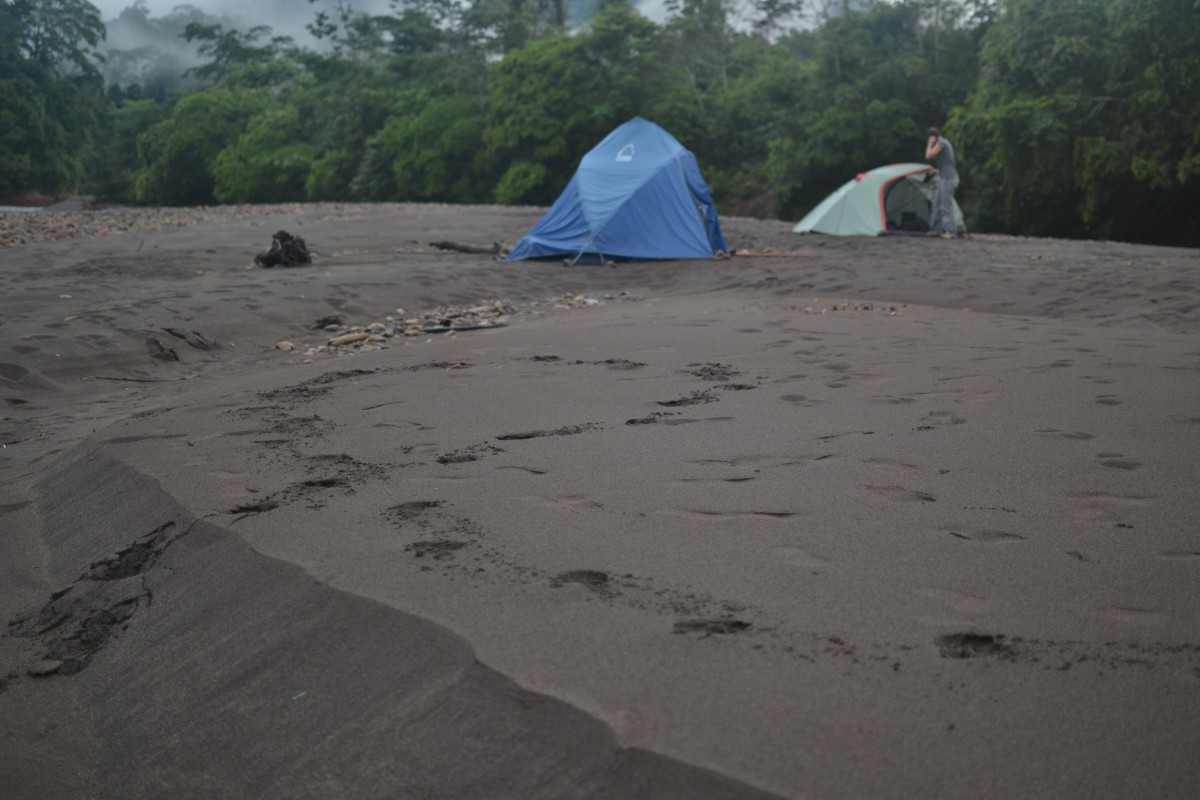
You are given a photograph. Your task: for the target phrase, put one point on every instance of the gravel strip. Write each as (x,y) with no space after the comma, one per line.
(22,227)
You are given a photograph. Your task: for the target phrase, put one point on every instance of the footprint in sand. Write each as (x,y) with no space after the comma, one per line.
(1180,555)
(1104,506)
(958,602)
(711,627)
(798,557)
(985,535)
(1118,461)
(569,502)
(800,400)
(721,515)
(591,579)
(1134,615)
(884,463)
(893,400)
(132,439)
(527,470)
(1078,436)
(903,495)
(936,418)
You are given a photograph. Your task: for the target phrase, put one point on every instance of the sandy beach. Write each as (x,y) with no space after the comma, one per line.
(834,518)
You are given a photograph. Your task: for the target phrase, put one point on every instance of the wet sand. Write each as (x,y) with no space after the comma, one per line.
(878,518)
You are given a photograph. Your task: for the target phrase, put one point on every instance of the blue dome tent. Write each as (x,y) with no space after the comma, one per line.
(637,195)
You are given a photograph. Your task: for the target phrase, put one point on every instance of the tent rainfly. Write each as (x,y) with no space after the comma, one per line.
(637,195)
(894,199)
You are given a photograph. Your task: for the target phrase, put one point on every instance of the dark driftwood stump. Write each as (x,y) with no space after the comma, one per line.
(467,248)
(286,250)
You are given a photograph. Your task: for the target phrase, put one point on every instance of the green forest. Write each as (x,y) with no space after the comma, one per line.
(1071,118)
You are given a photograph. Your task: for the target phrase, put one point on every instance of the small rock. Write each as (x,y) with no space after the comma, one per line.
(284,346)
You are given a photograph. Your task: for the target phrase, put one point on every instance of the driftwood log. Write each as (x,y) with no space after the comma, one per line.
(468,248)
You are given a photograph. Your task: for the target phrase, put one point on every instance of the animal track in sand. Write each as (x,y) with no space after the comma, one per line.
(570,502)
(974,645)
(758,462)
(457,548)
(959,602)
(936,418)
(847,433)
(690,420)
(291,396)
(1107,507)
(798,557)
(13,372)
(695,398)
(412,512)
(529,470)
(471,453)
(893,400)
(885,463)
(714,372)
(148,437)
(724,515)
(711,627)
(592,579)
(1136,615)
(614,363)
(437,549)
(800,400)
(568,430)
(338,473)
(1115,461)
(903,495)
(1078,436)
(652,419)
(985,535)
(1180,555)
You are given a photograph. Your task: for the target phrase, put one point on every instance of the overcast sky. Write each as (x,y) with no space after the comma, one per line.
(237,8)
(110,8)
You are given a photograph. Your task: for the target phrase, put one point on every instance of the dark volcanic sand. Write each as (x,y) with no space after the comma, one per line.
(880,518)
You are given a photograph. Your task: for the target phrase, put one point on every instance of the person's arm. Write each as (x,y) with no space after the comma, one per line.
(932,148)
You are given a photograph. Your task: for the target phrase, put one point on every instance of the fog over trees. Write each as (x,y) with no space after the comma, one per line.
(1070,117)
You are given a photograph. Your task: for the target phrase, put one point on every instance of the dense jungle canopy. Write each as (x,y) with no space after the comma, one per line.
(1071,118)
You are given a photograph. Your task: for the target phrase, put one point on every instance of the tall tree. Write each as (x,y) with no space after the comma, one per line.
(51,94)
(1084,119)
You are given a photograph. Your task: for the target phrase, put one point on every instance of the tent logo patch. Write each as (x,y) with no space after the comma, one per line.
(626,153)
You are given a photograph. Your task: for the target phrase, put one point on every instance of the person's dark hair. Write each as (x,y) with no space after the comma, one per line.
(933,132)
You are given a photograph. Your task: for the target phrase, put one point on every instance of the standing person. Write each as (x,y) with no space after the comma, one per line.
(941,153)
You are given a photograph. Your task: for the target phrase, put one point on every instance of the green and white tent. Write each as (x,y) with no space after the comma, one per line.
(894,199)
